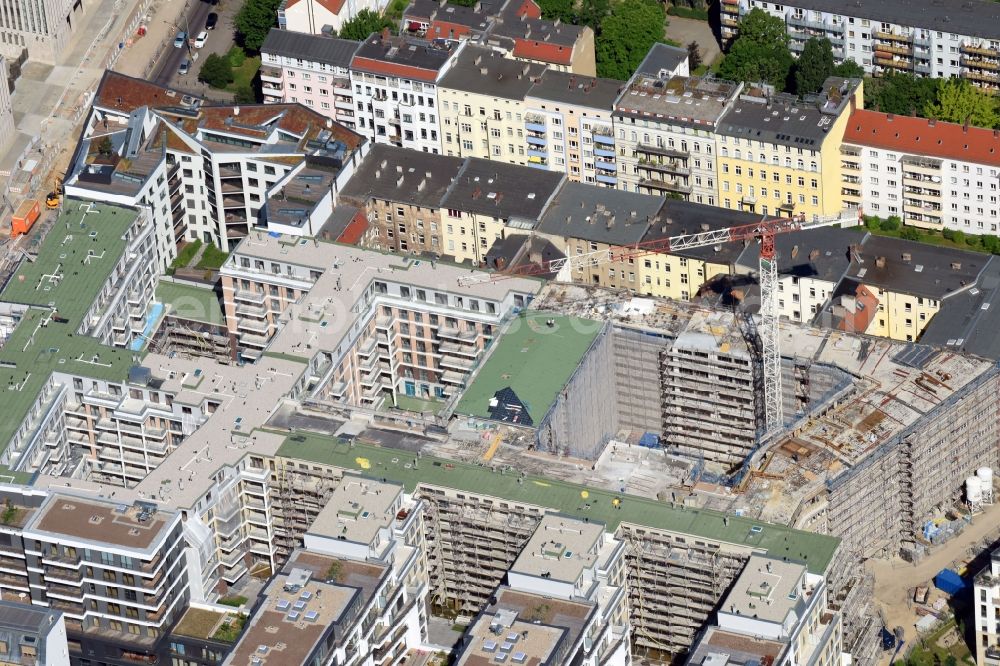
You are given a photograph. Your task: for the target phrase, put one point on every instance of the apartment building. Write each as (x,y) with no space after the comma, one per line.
(777,612)
(30,634)
(73,312)
(114,570)
(43,27)
(309,69)
(909,281)
(487,199)
(515,27)
(932,175)
(395,83)
(985,601)
(203,171)
(666,128)
(926,39)
(779,155)
(7,128)
(811,265)
(401,192)
(416,334)
(482,105)
(323,17)
(568,126)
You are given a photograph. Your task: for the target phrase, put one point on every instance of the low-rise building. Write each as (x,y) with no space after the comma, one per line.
(323,17)
(30,635)
(933,175)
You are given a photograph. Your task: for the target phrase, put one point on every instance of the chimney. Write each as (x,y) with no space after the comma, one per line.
(814,255)
(906,257)
(889,117)
(880,261)
(931,122)
(795,251)
(956,265)
(385,34)
(965,126)
(484,71)
(478,61)
(329,123)
(236,110)
(421,185)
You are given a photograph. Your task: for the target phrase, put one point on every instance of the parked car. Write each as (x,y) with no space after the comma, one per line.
(185,67)
(211,21)
(200,40)
(180,39)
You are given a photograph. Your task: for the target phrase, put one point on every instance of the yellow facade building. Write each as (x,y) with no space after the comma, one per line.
(779,155)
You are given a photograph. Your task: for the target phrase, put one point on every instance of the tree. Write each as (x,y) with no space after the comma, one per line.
(891,223)
(760,53)
(814,66)
(627,35)
(215,71)
(593,13)
(958,101)
(910,234)
(849,70)
(254,20)
(902,94)
(694,56)
(246,95)
(564,10)
(104,146)
(364,24)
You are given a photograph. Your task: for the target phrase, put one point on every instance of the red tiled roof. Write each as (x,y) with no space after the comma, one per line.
(332,6)
(530,9)
(355,229)
(447,30)
(393,69)
(535,50)
(859,320)
(924,137)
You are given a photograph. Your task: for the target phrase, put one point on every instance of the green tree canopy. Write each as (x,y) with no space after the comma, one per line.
(904,94)
(215,71)
(958,101)
(626,35)
(364,24)
(564,10)
(760,53)
(814,66)
(849,70)
(593,12)
(694,56)
(254,20)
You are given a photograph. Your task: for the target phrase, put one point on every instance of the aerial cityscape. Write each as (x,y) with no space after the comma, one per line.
(499,332)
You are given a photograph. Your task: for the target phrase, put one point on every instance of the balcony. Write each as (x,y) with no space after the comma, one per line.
(981,50)
(664,166)
(606,166)
(646,149)
(893,63)
(664,185)
(534,122)
(891,36)
(603,136)
(250,296)
(987,77)
(270,75)
(894,48)
(980,63)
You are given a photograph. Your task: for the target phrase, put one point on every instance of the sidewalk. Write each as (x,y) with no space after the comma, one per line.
(141,53)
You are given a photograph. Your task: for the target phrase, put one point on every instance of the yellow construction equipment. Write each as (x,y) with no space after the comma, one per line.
(52,200)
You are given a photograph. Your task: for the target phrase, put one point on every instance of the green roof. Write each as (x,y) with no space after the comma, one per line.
(33,351)
(190,302)
(572,499)
(532,358)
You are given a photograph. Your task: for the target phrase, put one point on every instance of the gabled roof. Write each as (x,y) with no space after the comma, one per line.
(920,136)
(313,48)
(332,6)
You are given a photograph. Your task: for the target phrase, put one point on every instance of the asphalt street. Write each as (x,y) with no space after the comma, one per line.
(193,19)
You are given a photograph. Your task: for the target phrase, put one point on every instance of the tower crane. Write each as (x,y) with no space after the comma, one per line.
(762,232)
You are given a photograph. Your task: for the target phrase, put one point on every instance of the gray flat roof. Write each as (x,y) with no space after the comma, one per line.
(916,268)
(602,215)
(26,617)
(660,57)
(314,48)
(487,187)
(403,175)
(785,119)
(485,71)
(969,321)
(569,88)
(975,18)
(681,99)
(297,198)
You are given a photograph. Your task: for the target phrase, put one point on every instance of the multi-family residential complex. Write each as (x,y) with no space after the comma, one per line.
(932,175)
(666,128)
(31,634)
(779,155)
(203,171)
(986,601)
(310,70)
(926,38)
(395,82)
(482,105)
(777,612)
